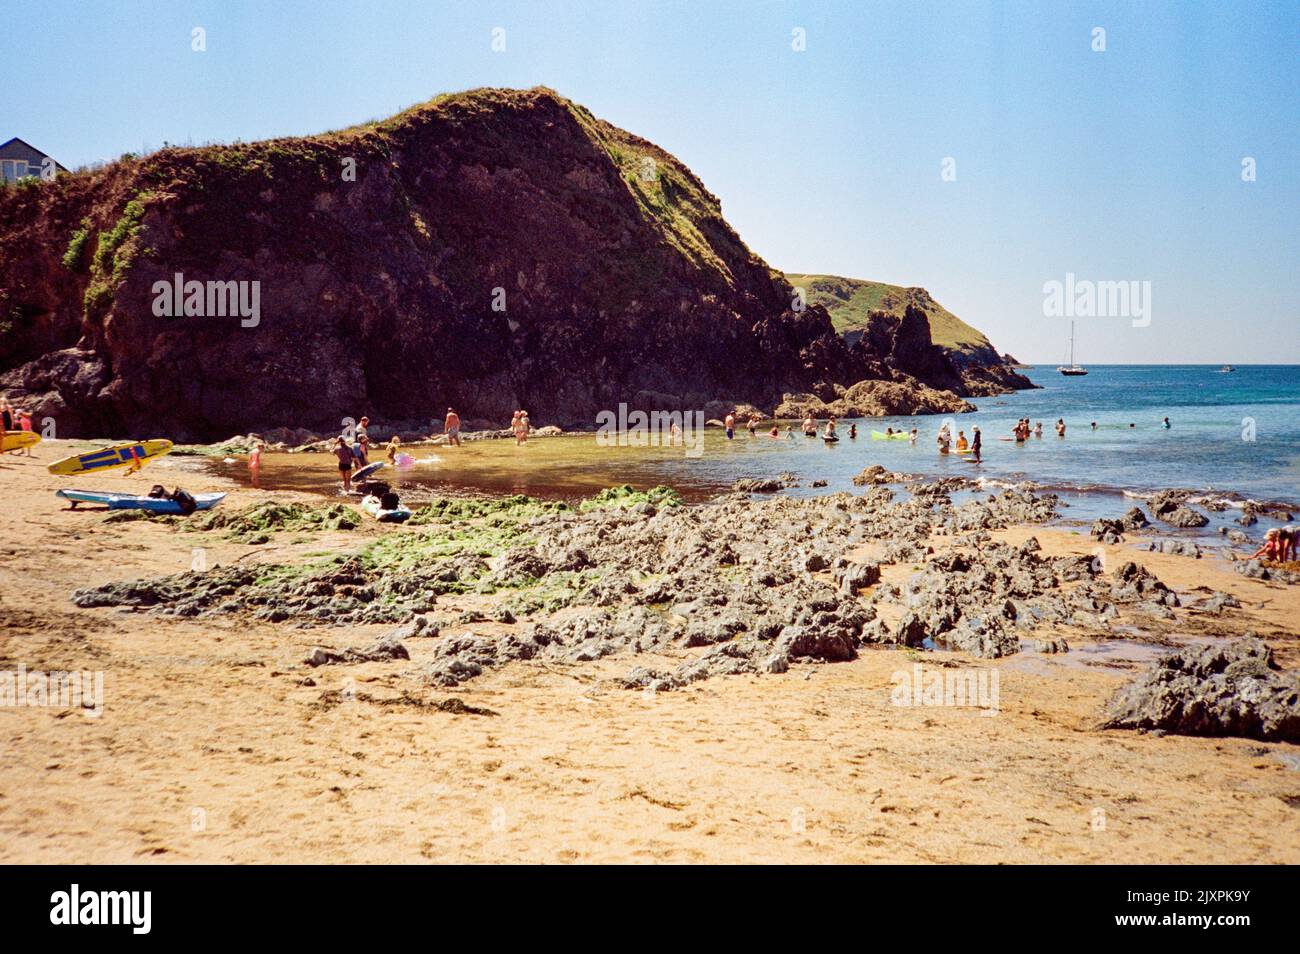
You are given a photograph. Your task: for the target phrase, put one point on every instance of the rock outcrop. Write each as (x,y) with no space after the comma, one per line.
(1225,689)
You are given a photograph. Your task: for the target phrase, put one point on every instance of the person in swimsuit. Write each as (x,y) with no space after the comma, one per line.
(853,432)
(730,424)
(962,443)
(830,430)
(976,443)
(809,428)
(344,454)
(1272,548)
(25,424)
(775,432)
(255,462)
(1060,427)
(1165,423)
(521,428)
(1038,429)
(752,425)
(911,437)
(451,427)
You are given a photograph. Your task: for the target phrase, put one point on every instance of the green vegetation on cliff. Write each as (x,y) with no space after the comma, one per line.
(850,299)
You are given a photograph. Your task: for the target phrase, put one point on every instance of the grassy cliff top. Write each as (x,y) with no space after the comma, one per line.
(850,299)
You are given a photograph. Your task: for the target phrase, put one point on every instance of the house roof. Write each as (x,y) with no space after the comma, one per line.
(16,148)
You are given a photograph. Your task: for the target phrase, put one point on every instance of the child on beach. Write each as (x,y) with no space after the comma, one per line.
(344,454)
(25,424)
(1272,548)
(394,445)
(255,462)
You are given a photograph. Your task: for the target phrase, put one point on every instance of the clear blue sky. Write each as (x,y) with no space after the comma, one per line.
(1124,164)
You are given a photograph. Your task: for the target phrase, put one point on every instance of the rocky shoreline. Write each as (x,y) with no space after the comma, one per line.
(758,583)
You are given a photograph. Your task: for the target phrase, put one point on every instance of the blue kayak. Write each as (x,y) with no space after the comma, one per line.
(136,501)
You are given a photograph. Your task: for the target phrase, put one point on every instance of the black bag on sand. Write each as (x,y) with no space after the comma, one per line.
(158,492)
(184,500)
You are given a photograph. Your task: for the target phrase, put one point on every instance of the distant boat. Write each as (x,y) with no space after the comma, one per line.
(1226,368)
(1073,369)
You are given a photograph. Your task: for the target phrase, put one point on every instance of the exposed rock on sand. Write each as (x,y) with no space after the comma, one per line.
(1168,505)
(1216,690)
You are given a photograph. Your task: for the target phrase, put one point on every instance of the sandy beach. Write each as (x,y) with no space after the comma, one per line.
(217,743)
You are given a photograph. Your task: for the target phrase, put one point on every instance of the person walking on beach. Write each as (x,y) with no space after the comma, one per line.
(976,443)
(730,424)
(451,427)
(344,455)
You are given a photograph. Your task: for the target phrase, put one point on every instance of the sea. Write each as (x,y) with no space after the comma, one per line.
(1233,436)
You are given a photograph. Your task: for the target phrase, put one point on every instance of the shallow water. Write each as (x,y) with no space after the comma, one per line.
(1092,470)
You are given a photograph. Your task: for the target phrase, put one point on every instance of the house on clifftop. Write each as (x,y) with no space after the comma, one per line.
(19,159)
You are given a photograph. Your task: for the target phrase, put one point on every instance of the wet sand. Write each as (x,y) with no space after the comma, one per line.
(211,747)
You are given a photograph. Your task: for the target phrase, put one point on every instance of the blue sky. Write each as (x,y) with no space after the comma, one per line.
(1115,165)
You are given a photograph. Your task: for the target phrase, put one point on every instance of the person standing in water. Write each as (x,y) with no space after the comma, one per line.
(344,454)
(1060,427)
(961,441)
(730,424)
(976,443)
(1165,423)
(853,432)
(830,429)
(451,427)
(255,462)
(1038,429)
(809,427)
(752,425)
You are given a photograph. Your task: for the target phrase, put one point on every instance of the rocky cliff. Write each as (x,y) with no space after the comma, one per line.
(875,312)
(485,250)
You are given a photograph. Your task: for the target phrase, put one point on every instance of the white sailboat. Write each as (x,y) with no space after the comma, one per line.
(1073,369)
